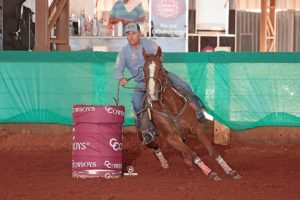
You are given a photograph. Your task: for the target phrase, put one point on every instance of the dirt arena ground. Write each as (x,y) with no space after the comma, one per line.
(38,166)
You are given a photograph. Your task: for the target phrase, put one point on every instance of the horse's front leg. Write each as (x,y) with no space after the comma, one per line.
(163,161)
(159,155)
(157,152)
(214,154)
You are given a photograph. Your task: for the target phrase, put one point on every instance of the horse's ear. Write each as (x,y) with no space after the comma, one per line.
(159,53)
(144,53)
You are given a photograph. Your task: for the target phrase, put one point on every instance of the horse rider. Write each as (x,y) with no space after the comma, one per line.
(131,57)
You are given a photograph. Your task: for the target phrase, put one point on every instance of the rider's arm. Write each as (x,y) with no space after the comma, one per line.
(120,66)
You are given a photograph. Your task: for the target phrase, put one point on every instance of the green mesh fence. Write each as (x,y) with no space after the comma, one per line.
(241,90)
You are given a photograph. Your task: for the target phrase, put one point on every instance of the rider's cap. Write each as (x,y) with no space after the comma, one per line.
(133,27)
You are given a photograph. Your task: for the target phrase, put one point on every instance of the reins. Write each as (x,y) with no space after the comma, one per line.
(117,100)
(135,88)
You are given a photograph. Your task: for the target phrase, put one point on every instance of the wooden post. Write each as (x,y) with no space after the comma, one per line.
(46,18)
(272,40)
(272,11)
(62,29)
(42,34)
(263,23)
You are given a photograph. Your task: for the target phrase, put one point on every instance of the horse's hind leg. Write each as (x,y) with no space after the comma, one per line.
(176,142)
(215,155)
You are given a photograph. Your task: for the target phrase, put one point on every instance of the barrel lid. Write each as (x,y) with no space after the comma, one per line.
(98,113)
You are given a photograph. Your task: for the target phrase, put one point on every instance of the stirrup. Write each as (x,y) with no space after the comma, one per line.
(201,117)
(148,136)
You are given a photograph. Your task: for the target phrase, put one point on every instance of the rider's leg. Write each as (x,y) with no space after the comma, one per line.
(177,82)
(144,124)
(137,101)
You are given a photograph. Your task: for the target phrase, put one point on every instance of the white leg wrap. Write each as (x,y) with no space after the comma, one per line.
(223,164)
(163,161)
(206,170)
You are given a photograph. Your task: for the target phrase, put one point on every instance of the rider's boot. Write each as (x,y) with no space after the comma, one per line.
(148,130)
(199,112)
(200,116)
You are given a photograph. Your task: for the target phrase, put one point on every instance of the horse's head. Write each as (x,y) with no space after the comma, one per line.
(153,71)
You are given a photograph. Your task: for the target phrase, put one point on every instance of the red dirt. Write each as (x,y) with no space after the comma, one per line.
(39,167)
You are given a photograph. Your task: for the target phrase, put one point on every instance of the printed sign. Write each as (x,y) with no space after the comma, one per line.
(169,9)
(169,18)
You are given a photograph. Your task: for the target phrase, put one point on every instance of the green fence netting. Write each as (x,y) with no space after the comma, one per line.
(241,90)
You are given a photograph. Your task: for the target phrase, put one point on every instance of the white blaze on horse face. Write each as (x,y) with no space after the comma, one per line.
(151,85)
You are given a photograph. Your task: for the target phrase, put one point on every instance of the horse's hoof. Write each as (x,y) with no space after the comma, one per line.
(234,175)
(165,165)
(213,176)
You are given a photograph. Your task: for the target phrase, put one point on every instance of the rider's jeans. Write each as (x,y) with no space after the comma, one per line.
(177,82)
(137,101)
(138,95)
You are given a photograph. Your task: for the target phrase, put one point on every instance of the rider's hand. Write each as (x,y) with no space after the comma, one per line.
(123,81)
(125,22)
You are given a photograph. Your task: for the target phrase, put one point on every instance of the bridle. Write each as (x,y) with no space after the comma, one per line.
(161,80)
(157,91)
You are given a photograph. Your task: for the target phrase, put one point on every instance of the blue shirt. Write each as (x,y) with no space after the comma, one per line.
(118,10)
(132,59)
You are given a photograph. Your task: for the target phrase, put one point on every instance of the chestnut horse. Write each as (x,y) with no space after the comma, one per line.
(174,116)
